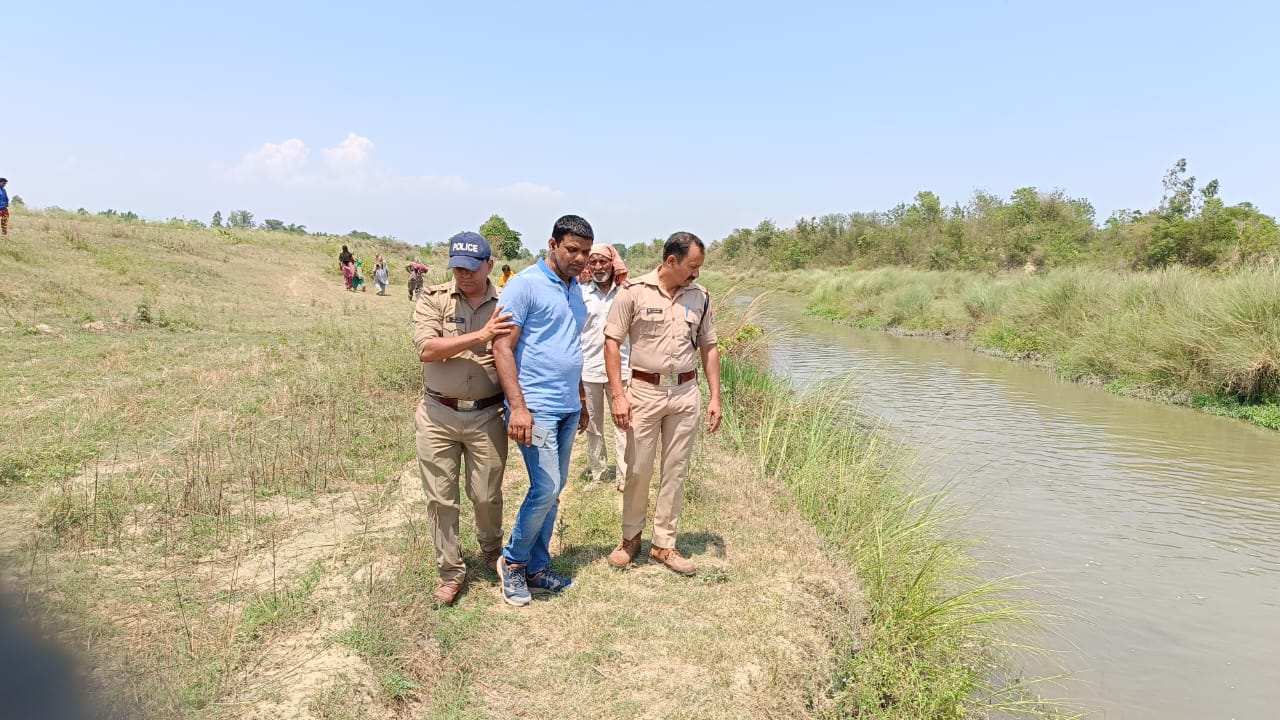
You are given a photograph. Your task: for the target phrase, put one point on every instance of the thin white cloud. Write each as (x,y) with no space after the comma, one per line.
(284,178)
(437,183)
(531,191)
(286,161)
(352,154)
(350,164)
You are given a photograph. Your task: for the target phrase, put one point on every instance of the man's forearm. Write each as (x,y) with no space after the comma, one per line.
(613,365)
(711,365)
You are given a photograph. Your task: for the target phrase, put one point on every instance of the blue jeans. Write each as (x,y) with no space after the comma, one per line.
(530,541)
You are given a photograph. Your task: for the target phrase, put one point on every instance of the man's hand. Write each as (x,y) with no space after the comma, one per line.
(520,428)
(713,416)
(499,324)
(585,418)
(621,408)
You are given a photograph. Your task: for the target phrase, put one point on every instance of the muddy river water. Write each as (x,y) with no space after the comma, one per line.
(1158,527)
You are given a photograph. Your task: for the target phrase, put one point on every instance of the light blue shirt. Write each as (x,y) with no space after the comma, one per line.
(550,314)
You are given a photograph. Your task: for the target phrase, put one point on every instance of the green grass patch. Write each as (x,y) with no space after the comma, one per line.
(1012,341)
(279,608)
(375,637)
(396,687)
(1265,413)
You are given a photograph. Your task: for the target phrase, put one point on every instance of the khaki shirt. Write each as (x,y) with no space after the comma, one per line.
(441,311)
(665,332)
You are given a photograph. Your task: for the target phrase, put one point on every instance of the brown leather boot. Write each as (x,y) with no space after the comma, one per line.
(625,552)
(672,558)
(447,593)
(491,559)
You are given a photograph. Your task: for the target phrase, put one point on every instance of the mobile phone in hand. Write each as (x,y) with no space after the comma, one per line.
(538,436)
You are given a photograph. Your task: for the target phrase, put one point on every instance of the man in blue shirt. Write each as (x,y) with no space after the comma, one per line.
(4,208)
(539,364)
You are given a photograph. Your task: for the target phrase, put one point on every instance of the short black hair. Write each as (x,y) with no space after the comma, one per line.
(4,179)
(679,243)
(506,268)
(572,225)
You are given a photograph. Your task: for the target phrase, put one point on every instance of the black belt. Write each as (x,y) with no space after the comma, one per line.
(465,405)
(664,380)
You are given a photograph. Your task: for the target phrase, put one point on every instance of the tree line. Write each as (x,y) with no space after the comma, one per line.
(1191,226)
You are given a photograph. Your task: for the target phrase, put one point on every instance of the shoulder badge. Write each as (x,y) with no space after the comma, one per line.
(432,290)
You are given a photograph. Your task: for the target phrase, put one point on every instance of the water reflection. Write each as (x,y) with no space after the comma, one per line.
(1159,524)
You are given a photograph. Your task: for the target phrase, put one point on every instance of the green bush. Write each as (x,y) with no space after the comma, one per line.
(1032,229)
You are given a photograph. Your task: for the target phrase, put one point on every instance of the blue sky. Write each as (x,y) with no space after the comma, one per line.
(417,120)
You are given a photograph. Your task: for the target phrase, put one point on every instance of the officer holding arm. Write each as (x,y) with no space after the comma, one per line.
(460,414)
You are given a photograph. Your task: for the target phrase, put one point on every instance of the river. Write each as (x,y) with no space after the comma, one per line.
(1158,526)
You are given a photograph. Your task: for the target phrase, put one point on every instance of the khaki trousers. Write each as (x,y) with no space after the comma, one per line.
(665,418)
(443,437)
(597,458)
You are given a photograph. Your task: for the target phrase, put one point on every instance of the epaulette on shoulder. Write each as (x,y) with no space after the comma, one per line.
(442,287)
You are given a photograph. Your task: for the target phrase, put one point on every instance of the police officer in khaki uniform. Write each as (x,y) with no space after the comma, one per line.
(667,318)
(460,414)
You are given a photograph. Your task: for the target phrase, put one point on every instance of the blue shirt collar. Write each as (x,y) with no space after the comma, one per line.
(546,269)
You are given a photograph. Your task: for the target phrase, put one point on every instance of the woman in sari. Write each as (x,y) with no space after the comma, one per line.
(347,262)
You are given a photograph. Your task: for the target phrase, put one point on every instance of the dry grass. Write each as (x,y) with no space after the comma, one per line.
(750,636)
(206,488)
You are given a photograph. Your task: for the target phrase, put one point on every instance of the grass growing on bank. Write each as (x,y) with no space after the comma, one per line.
(932,641)
(1180,335)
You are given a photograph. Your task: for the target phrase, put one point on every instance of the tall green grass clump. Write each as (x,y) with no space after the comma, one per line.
(934,639)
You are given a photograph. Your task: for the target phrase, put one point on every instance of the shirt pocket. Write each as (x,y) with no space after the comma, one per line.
(454,326)
(651,323)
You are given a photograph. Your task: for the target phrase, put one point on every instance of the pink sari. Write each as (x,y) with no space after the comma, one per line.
(348,273)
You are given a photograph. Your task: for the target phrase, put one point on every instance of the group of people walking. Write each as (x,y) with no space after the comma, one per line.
(352,271)
(569,335)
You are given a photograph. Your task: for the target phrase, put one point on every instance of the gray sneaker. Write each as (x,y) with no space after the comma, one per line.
(549,581)
(515,588)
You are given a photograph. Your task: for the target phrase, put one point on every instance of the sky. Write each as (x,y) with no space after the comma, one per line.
(417,120)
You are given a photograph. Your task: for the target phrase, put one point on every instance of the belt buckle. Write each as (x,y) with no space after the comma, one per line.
(669,380)
(468,404)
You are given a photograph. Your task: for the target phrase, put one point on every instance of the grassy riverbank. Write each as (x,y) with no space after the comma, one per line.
(932,639)
(1211,341)
(208,488)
